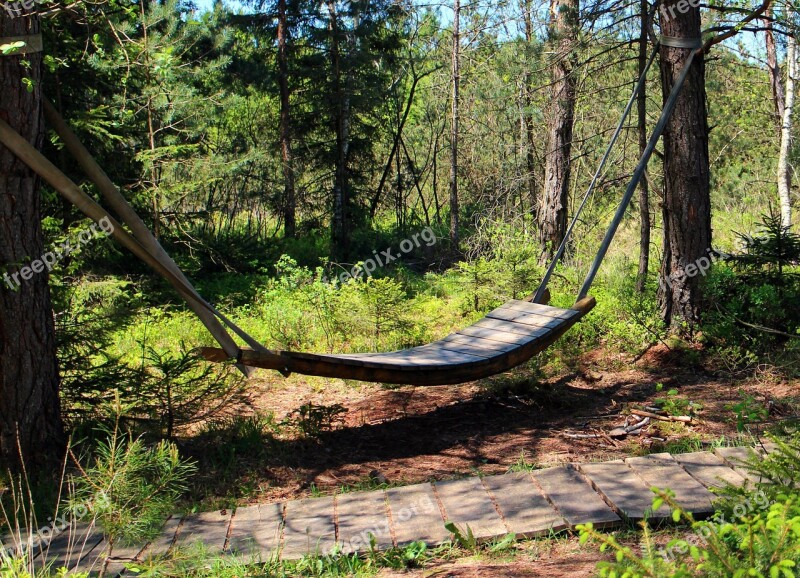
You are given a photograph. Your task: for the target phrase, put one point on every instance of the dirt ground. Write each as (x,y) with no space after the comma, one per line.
(407,435)
(412,434)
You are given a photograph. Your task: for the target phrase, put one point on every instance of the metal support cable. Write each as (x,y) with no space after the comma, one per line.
(562,247)
(666,112)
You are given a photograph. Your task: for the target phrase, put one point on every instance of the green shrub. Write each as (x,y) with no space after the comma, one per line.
(130,488)
(751,299)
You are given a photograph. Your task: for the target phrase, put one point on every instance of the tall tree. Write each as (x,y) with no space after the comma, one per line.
(529,128)
(772,66)
(784,167)
(641,122)
(687,203)
(30,415)
(562,31)
(289,200)
(454,120)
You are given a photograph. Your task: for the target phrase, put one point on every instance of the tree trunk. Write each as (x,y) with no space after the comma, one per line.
(341,193)
(530,124)
(289,196)
(555,198)
(454,119)
(784,168)
(772,67)
(30,413)
(687,204)
(644,193)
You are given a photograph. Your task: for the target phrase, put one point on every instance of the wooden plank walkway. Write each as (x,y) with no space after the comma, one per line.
(528,504)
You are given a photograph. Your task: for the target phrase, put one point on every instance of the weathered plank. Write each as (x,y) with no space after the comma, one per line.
(504,336)
(487,344)
(736,458)
(507,326)
(467,504)
(360,515)
(118,558)
(163,543)
(661,471)
(709,469)
(574,498)
(523,318)
(75,548)
(471,349)
(208,528)
(539,309)
(524,509)
(416,515)
(308,528)
(256,530)
(628,494)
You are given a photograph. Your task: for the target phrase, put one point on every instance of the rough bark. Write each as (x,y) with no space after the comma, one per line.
(773,68)
(784,167)
(687,204)
(555,198)
(529,121)
(341,181)
(30,413)
(644,192)
(454,120)
(289,195)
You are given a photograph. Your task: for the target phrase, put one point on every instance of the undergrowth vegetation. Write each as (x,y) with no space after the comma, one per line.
(755,531)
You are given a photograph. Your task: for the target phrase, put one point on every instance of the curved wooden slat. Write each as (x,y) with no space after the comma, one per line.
(514,333)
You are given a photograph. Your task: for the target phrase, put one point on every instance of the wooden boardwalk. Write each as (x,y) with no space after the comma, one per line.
(531,504)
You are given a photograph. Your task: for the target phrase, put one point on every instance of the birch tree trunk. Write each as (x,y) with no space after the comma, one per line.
(784,167)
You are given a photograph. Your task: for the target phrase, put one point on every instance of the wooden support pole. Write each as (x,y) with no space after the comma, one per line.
(70,191)
(120,205)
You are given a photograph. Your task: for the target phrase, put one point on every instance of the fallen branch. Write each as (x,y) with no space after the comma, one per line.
(681,418)
(581,436)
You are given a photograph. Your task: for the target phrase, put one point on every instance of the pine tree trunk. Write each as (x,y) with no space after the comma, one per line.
(555,198)
(784,168)
(530,124)
(341,194)
(30,412)
(687,205)
(289,195)
(772,67)
(454,120)
(644,192)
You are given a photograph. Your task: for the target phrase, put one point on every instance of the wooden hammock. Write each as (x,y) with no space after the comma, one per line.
(505,338)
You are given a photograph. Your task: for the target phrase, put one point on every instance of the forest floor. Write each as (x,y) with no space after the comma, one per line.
(406,435)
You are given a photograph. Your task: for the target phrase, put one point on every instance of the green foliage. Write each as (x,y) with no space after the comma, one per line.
(129,487)
(311,420)
(755,532)
(750,301)
(748,410)
(181,389)
(464,538)
(675,404)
